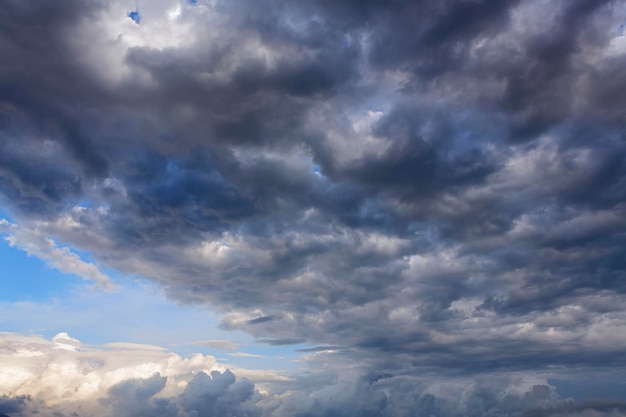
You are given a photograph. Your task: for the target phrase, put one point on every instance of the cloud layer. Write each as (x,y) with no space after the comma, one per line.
(64,378)
(123,380)
(412,188)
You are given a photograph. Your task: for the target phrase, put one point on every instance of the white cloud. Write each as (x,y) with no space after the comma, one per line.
(48,369)
(64,375)
(65,342)
(245,355)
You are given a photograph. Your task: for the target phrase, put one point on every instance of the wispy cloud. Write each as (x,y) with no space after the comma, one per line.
(245,355)
(35,243)
(217,344)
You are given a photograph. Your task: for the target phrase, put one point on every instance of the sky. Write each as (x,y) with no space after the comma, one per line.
(269,208)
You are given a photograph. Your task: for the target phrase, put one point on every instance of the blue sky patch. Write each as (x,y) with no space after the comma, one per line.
(135,16)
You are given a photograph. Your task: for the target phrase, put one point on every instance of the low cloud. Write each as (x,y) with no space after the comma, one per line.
(40,379)
(13,404)
(125,379)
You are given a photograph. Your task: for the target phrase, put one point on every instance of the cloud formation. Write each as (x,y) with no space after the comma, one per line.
(141,380)
(63,376)
(31,241)
(426,188)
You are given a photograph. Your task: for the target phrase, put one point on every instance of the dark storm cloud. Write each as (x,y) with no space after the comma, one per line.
(134,397)
(263,319)
(32,179)
(11,404)
(223,394)
(204,395)
(187,392)
(434,187)
(591,407)
(422,157)
(41,86)
(389,397)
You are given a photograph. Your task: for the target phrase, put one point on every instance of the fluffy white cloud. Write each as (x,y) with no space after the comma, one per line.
(59,369)
(62,374)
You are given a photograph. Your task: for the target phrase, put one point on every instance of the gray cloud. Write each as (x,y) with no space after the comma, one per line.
(436,188)
(587,408)
(204,395)
(218,344)
(134,397)
(118,382)
(13,404)
(281,342)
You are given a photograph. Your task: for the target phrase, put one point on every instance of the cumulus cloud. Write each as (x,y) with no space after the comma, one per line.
(429,187)
(53,373)
(39,378)
(121,379)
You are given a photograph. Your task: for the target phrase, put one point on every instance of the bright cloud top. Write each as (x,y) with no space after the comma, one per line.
(63,375)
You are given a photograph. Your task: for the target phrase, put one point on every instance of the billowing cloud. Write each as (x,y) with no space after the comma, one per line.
(10,404)
(42,377)
(121,379)
(422,187)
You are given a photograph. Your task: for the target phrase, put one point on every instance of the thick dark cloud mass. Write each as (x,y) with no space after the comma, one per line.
(10,404)
(416,188)
(221,394)
(216,395)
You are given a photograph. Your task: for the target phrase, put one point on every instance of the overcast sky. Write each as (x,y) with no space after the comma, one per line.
(319,208)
